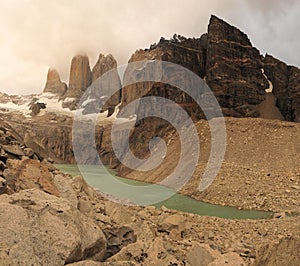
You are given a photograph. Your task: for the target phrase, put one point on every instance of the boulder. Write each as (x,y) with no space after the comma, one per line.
(14,150)
(283,252)
(2,185)
(36,108)
(203,255)
(150,252)
(46,230)
(28,173)
(117,238)
(95,263)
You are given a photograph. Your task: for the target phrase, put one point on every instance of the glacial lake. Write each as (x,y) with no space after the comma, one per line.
(95,176)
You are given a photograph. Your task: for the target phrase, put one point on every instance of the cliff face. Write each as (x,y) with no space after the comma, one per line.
(80,79)
(224,57)
(233,69)
(286,87)
(189,53)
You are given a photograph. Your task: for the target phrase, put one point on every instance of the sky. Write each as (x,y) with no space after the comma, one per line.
(37,34)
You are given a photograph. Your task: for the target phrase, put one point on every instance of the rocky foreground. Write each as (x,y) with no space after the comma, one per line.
(49,218)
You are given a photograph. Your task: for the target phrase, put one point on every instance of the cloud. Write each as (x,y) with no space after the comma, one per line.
(36,35)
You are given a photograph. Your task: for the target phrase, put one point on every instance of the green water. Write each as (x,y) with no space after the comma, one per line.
(95,177)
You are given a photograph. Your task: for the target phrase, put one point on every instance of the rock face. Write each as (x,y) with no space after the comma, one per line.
(224,57)
(102,88)
(189,53)
(286,88)
(55,141)
(48,140)
(233,69)
(80,80)
(54,84)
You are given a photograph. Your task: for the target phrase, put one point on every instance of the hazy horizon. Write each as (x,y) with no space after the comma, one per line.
(37,35)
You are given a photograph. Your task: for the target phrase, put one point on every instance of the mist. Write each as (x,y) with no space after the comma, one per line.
(36,35)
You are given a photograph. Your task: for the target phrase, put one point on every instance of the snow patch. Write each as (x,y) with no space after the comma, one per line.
(69,100)
(12,107)
(270,89)
(130,119)
(86,102)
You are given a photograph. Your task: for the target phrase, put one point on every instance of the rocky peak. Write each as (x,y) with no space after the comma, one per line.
(80,80)
(234,70)
(103,64)
(54,84)
(224,31)
(97,99)
(80,76)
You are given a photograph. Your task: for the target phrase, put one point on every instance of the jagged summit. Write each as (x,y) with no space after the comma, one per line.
(235,71)
(225,30)
(103,64)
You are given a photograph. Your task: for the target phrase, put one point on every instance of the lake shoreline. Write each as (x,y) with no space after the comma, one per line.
(178,202)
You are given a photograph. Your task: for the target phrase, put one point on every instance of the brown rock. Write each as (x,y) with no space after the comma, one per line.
(95,263)
(46,230)
(203,254)
(54,84)
(80,80)
(36,108)
(284,252)
(2,185)
(199,255)
(172,222)
(117,238)
(14,150)
(103,65)
(27,173)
